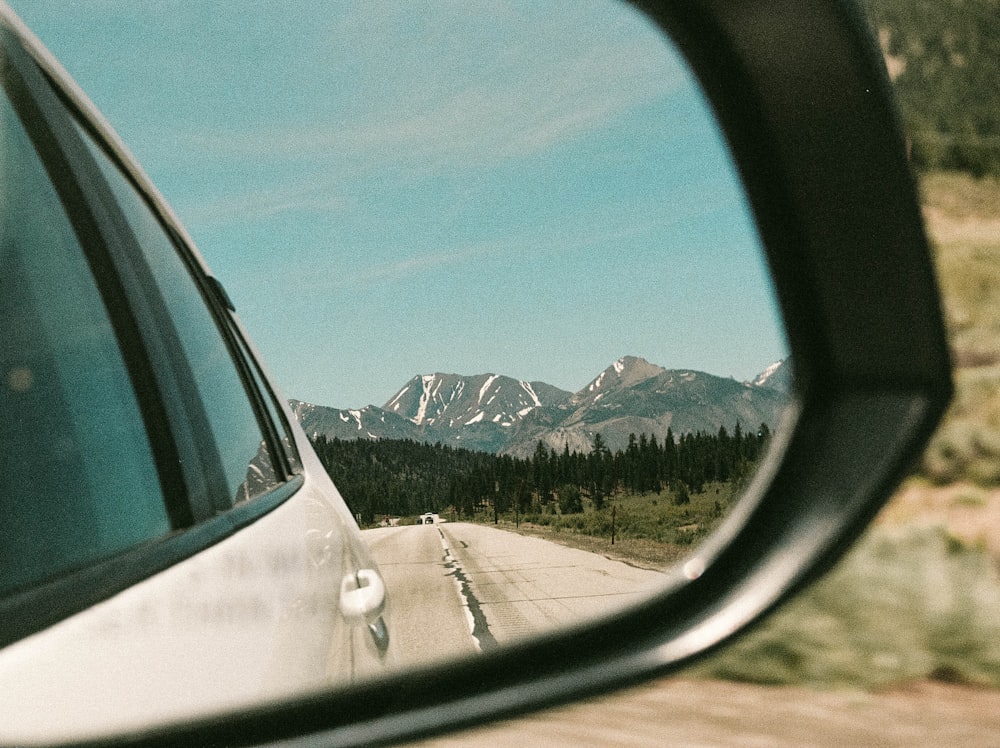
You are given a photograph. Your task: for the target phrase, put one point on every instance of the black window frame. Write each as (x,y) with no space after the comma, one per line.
(180,436)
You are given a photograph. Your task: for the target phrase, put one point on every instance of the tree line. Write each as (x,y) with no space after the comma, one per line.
(393,477)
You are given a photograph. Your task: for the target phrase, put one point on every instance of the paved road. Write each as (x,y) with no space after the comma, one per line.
(459,588)
(428,621)
(524,585)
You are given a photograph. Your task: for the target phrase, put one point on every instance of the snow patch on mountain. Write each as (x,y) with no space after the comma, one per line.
(394,403)
(425,397)
(767,373)
(486,385)
(778,376)
(534,398)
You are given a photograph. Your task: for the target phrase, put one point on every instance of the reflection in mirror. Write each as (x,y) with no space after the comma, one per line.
(502,260)
(564,356)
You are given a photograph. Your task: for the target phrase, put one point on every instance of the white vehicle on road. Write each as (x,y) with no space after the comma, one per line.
(171,545)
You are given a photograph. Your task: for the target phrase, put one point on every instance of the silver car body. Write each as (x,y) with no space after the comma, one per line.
(285,601)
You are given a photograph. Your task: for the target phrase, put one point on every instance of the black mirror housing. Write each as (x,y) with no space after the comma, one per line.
(801,92)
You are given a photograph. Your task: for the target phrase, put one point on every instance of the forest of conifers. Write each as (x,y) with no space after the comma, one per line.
(404,478)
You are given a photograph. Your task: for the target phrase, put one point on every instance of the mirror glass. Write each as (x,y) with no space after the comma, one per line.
(500,259)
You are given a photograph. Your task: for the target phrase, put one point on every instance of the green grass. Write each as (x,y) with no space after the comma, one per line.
(650,529)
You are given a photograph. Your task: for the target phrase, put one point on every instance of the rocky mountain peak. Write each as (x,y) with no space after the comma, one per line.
(777,376)
(624,373)
(496,413)
(459,400)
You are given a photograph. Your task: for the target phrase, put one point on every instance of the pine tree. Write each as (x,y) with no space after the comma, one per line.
(570,500)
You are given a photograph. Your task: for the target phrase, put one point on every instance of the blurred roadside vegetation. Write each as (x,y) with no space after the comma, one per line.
(909,603)
(919,597)
(963,219)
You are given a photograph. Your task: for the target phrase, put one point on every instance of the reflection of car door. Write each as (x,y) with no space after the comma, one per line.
(159,504)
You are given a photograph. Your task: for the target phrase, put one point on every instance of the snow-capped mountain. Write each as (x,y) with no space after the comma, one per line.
(477,412)
(777,376)
(622,374)
(370,422)
(633,396)
(453,400)
(495,413)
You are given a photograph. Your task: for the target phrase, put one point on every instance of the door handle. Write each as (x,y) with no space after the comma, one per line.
(362,596)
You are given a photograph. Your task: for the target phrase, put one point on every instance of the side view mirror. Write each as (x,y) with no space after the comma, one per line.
(801,95)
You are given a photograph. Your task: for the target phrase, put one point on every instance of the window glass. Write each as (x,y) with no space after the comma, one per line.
(272,408)
(77,477)
(242,449)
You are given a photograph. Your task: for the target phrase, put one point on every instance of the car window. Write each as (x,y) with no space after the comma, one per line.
(243,451)
(79,482)
(269,402)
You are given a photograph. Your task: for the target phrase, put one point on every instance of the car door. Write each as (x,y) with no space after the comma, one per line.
(167,543)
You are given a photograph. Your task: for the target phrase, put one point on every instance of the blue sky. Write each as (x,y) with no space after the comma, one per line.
(389,189)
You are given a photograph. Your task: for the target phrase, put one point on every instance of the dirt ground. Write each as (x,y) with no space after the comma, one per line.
(681,712)
(969,513)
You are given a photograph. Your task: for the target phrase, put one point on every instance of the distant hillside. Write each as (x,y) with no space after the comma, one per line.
(633,396)
(944,59)
(495,413)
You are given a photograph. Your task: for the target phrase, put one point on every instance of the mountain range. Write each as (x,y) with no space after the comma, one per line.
(500,414)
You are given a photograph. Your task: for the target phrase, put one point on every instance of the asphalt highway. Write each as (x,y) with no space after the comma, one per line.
(428,622)
(459,588)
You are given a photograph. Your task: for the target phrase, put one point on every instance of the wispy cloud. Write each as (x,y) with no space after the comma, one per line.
(312,196)
(497,104)
(473,89)
(554,241)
